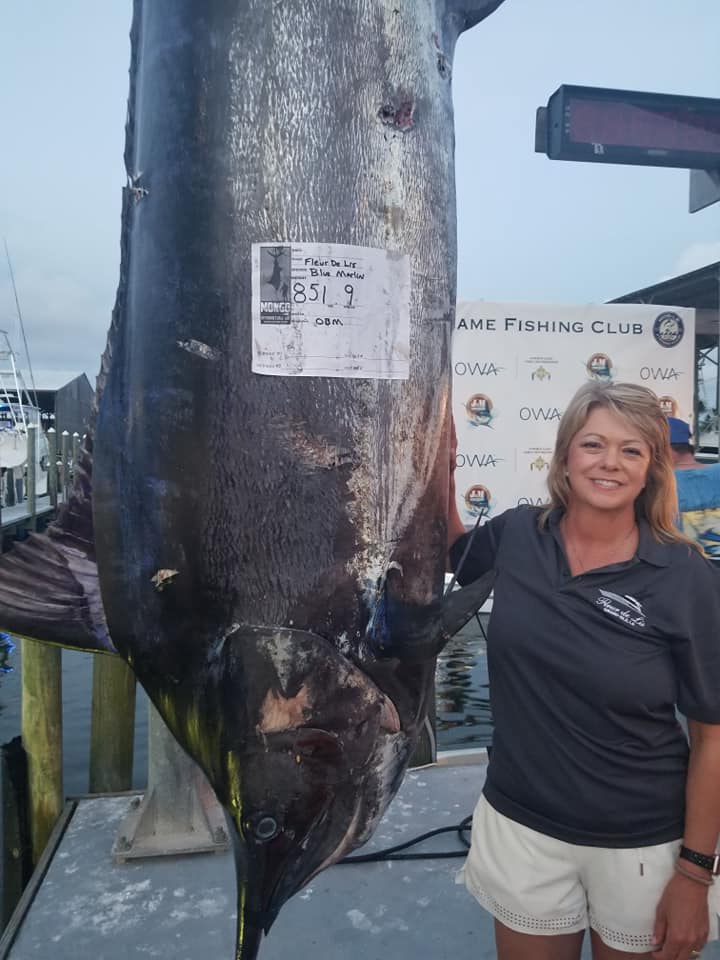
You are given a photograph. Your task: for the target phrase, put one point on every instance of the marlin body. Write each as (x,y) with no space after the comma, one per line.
(267,552)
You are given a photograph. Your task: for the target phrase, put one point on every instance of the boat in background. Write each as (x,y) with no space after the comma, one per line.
(19,409)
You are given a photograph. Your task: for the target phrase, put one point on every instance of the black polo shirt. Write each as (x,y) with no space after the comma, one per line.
(585,674)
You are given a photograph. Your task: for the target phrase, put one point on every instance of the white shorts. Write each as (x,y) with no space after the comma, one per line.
(536,884)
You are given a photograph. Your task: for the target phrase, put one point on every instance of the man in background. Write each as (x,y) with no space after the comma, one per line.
(698,486)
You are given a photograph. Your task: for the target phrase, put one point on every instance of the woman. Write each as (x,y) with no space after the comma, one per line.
(604,619)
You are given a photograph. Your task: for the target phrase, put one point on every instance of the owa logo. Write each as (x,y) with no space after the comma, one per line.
(539,413)
(659,373)
(477,460)
(476,369)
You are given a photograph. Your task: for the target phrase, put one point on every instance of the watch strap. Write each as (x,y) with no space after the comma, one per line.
(708,861)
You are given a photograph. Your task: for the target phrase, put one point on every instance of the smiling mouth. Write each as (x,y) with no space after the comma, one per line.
(607,484)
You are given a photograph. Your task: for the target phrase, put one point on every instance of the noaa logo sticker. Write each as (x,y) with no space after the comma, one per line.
(668,405)
(599,367)
(479,410)
(668,329)
(477,500)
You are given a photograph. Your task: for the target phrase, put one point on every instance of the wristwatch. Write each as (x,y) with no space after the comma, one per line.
(708,861)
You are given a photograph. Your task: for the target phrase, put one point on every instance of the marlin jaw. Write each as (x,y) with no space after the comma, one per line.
(278,850)
(322,731)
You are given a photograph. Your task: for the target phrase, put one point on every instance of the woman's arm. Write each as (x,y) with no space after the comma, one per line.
(455,526)
(702,797)
(682,914)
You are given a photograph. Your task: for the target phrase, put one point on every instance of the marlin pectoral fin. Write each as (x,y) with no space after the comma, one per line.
(413,633)
(460,605)
(49,588)
(49,595)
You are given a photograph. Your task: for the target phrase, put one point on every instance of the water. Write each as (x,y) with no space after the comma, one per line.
(463,711)
(464,720)
(77,702)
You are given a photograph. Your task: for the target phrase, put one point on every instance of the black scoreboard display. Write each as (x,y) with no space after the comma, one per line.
(624,126)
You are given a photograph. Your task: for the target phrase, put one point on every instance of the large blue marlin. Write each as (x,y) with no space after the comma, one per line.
(267,552)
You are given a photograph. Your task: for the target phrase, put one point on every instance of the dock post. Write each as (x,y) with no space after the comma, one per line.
(42,737)
(17,859)
(10,481)
(65,457)
(52,466)
(75,451)
(30,482)
(112,729)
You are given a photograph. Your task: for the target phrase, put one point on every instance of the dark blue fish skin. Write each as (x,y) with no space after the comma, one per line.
(270,550)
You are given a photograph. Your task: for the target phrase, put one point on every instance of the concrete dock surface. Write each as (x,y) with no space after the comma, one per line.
(90,908)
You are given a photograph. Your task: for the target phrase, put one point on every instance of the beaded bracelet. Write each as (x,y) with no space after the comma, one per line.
(694,876)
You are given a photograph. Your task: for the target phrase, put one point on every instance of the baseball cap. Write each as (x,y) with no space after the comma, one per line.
(679,431)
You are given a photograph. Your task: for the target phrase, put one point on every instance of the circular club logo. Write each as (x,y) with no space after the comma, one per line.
(479,410)
(477,500)
(599,367)
(668,405)
(668,329)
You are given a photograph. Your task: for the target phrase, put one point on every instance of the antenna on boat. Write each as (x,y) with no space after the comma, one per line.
(22,325)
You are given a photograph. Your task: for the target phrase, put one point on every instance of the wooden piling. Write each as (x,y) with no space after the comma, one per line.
(52,466)
(42,737)
(112,731)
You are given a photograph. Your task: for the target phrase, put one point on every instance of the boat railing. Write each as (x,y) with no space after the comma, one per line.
(14,395)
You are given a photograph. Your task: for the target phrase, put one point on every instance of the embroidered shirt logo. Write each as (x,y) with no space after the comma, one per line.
(624,608)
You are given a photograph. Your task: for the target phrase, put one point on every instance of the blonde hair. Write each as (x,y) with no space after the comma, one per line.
(657,503)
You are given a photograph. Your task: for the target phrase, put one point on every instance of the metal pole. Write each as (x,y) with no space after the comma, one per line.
(10,480)
(65,457)
(179,813)
(75,451)
(52,466)
(30,473)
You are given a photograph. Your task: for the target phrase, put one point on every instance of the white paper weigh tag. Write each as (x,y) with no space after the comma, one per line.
(330,310)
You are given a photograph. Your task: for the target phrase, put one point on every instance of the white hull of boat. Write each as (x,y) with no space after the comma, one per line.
(13,448)
(13,456)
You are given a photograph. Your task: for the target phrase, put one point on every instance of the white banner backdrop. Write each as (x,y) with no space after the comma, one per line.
(516,366)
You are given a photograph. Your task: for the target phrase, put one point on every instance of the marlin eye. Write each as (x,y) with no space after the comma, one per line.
(264,827)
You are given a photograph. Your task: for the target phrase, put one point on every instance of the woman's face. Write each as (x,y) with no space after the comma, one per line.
(607,463)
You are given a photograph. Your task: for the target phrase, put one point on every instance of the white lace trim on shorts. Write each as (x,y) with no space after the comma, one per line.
(619,939)
(524,923)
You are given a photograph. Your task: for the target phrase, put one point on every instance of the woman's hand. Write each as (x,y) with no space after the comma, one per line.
(681,919)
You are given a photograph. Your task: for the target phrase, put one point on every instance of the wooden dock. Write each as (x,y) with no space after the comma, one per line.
(17,518)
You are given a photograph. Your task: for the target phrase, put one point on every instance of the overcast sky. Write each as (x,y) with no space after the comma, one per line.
(529,228)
